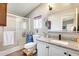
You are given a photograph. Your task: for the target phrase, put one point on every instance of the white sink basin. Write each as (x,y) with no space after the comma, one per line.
(59,42)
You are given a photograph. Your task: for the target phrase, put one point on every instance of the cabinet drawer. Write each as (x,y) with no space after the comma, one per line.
(56,50)
(72,52)
(60,51)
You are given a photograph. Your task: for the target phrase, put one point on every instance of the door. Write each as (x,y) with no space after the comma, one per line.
(42,48)
(3,14)
(56,51)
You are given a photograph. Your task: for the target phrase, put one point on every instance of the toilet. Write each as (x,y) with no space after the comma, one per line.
(32,46)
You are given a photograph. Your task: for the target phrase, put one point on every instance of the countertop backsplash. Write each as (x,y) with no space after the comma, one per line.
(64,36)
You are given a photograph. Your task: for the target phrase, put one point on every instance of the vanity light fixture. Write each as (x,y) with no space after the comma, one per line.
(50,5)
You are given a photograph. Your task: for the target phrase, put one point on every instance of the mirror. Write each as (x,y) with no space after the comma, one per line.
(63,21)
(68,24)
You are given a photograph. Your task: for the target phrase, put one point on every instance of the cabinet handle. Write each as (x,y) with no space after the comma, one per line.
(65,53)
(47,46)
(69,55)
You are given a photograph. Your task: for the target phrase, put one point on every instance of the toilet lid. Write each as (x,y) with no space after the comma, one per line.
(30,45)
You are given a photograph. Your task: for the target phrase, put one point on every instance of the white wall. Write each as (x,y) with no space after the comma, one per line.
(41,10)
(56,22)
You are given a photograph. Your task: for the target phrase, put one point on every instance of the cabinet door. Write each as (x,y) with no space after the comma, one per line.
(3,14)
(42,48)
(56,51)
(72,53)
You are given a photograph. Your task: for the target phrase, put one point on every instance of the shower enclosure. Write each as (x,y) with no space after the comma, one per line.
(11,34)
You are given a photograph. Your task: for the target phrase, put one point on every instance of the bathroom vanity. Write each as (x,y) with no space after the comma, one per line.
(53,47)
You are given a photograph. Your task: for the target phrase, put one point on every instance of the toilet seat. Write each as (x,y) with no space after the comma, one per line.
(30,45)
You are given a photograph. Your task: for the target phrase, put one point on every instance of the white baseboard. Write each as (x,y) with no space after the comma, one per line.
(8,51)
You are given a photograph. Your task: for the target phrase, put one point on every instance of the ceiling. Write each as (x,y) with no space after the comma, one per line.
(21,9)
(62,6)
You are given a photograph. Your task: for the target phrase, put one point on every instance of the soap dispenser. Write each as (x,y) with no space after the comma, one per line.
(59,36)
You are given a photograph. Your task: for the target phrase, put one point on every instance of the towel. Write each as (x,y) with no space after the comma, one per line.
(29,38)
(8,38)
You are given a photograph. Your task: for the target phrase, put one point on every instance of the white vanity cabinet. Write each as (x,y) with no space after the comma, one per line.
(45,49)
(42,49)
(56,51)
(60,51)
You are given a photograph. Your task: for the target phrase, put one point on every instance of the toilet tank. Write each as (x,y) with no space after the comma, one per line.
(35,37)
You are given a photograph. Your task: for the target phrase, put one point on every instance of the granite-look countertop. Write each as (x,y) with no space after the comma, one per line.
(71,44)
